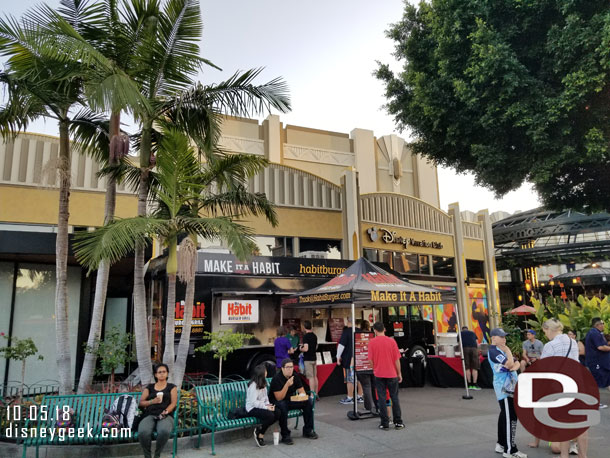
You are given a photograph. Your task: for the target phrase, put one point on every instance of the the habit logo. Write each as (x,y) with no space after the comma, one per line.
(239,311)
(557,399)
(237,308)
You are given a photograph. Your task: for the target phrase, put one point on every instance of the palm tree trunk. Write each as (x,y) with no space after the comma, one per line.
(185,337)
(169,351)
(139,290)
(62,336)
(103,272)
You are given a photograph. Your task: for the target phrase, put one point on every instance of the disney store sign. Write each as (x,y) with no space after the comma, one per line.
(388,236)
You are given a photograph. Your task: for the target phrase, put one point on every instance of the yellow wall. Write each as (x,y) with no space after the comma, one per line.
(315,138)
(446,240)
(241,127)
(474,249)
(300,223)
(20,204)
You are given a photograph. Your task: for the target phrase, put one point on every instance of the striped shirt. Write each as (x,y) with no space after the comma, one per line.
(560,346)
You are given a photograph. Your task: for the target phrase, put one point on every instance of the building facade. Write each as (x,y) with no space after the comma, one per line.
(337,196)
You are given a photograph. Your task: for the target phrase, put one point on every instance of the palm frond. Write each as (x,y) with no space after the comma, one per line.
(20,108)
(227,170)
(115,240)
(90,133)
(239,202)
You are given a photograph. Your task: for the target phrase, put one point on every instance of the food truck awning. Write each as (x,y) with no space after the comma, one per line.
(243,292)
(364,284)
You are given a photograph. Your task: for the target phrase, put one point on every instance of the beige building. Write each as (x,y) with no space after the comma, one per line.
(338,195)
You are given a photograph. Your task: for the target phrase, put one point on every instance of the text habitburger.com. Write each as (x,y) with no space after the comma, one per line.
(62,434)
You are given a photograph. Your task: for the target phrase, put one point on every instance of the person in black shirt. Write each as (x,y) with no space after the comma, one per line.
(346,361)
(309,347)
(470,345)
(158,402)
(284,385)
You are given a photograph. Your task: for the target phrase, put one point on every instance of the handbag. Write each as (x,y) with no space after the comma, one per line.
(509,384)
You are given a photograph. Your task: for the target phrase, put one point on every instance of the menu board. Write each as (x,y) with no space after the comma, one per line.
(336,326)
(362,351)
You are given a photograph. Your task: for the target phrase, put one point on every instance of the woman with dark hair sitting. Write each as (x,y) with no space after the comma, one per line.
(158,403)
(258,405)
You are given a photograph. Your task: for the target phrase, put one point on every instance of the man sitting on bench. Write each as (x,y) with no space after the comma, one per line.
(285,385)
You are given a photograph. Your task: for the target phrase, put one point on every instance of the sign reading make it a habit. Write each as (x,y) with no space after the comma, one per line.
(238,311)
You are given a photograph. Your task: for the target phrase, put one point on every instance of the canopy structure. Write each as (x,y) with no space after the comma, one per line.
(522,310)
(364,284)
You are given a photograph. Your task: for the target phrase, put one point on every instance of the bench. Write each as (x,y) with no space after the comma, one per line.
(216,401)
(88,413)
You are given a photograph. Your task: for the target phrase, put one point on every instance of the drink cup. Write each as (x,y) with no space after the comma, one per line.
(160,395)
(276,437)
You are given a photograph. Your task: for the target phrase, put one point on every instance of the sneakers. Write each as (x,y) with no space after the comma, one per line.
(602,406)
(573,448)
(311,435)
(514,455)
(474,387)
(347,400)
(400,425)
(384,427)
(287,440)
(390,422)
(499,448)
(259,440)
(360,399)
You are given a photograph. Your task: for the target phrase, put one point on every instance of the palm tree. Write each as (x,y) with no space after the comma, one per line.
(45,78)
(167,60)
(183,192)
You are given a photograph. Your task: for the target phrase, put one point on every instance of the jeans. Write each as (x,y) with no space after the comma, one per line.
(267,417)
(145,430)
(285,406)
(390,384)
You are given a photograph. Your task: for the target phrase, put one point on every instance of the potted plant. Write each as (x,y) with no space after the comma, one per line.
(19,350)
(223,343)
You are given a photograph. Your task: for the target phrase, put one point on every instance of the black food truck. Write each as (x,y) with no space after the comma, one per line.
(225,286)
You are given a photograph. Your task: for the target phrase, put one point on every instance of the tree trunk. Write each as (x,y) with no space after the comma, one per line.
(64,365)
(220,370)
(169,353)
(185,337)
(22,380)
(103,271)
(139,291)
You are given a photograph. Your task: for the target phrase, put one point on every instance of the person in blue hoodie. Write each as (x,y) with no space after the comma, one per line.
(504,369)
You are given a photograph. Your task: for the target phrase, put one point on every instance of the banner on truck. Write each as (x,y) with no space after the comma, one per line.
(238,311)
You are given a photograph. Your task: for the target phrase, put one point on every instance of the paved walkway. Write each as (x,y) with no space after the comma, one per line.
(439,424)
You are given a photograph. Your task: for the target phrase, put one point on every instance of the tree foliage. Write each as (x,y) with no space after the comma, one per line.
(511,91)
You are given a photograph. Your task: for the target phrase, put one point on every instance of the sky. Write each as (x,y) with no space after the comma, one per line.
(326,50)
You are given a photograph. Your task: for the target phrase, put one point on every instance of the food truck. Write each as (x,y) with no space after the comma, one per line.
(246,296)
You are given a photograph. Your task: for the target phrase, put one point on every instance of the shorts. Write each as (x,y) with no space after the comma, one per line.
(348,375)
(601,375)
(310,369)
(471,358)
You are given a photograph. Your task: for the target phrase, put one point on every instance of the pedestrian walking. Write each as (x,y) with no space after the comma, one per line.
(471,357)
(597,354)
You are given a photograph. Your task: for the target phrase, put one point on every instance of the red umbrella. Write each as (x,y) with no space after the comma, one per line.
(523,310)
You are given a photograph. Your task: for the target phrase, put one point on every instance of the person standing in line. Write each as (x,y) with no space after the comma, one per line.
(309,348)
(562,345)
(346,361)
(503,367)
(283,347)
(258,405)
(158,403)
(385,357)
(471,357)
(532,349)
(294,338)
(581,347)
(597,355)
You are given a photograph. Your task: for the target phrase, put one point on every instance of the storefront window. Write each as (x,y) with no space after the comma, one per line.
(385,256)
(424,264)
(34,317)
(405,263)
(443,266)
(370,254)
(319,248)
(265,331)
(475,269)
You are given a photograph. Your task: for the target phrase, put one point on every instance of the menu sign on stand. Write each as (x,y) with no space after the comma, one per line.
(336,326)
(362,351)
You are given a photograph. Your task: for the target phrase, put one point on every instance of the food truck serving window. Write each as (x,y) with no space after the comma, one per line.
(238,311)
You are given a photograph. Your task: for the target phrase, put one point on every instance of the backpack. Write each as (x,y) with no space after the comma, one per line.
(121,413)
(66,423)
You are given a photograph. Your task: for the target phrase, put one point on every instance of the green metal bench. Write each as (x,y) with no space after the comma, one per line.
(88,413)
(216,401)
